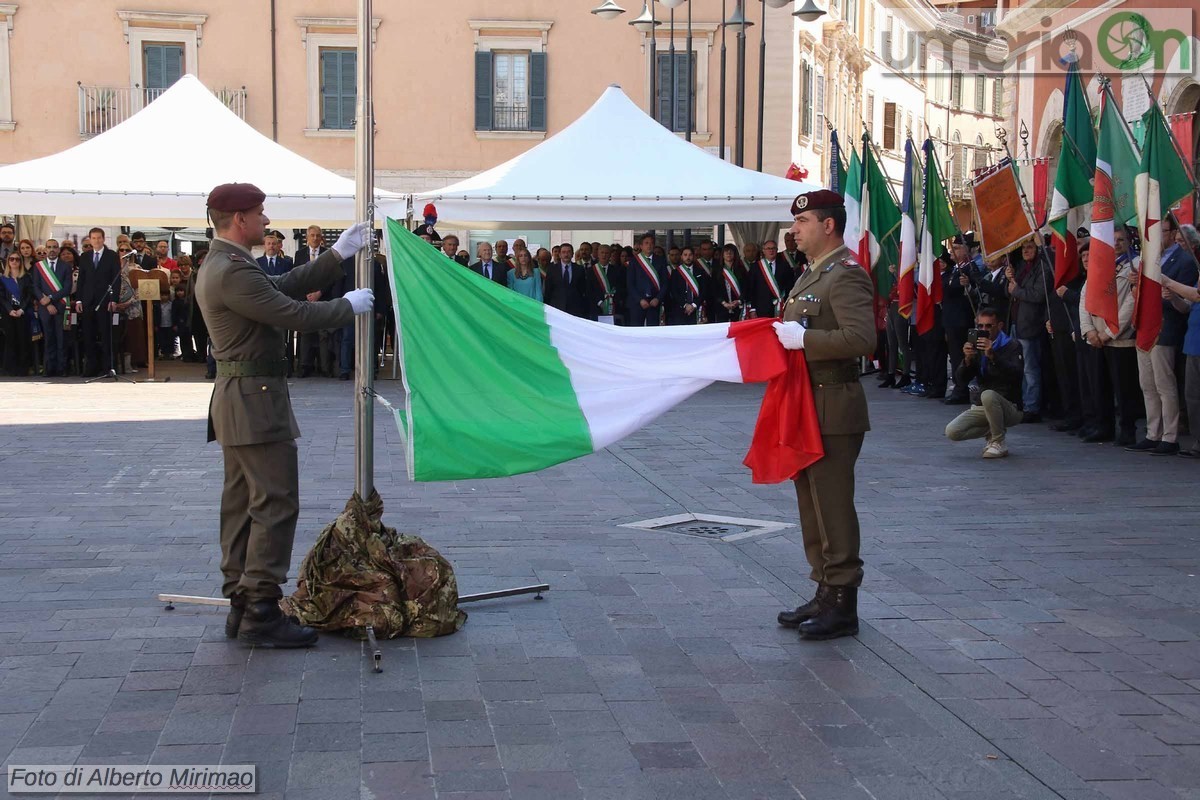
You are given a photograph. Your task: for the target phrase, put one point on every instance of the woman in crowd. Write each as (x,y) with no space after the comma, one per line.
(524,279)
(131,326)
(730,279)
(16,303)
(67,255)
(28,255)
(135,327)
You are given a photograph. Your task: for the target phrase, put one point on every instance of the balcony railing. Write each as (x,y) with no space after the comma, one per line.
(510,118)
(103,107)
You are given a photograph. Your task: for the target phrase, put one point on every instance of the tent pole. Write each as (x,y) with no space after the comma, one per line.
(364,324)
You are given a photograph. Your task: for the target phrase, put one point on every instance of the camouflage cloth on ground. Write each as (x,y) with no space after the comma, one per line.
(361,573)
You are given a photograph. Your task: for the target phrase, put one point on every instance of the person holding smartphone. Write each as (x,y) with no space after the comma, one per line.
(992,369)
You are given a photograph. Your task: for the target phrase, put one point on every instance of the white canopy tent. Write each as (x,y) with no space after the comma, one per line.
(194,143)
(615,167)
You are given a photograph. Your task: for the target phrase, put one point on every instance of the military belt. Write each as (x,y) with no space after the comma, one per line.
(258,368)
(830,372)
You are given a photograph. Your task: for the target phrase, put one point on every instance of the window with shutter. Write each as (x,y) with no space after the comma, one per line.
(483,91)
(998,97)
(820,108)
(956,89)
(980,93)
(806,99)
(677,72)
(338,90)
(889,126)
(162,65)
(510,91)
(885,47)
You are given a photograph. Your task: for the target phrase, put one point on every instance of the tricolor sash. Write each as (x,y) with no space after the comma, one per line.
(49,277)
(772,284)
(690,280)
(602,276)
(704,265)
(731,283)
(791,261)
(649,270)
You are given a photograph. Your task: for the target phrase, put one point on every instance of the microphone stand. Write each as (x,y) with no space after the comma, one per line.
(112,371)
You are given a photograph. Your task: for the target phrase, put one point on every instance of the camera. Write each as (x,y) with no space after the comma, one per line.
(974,335)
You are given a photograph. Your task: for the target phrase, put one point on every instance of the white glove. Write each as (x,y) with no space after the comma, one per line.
(791,335)
(352,240)
(361,300)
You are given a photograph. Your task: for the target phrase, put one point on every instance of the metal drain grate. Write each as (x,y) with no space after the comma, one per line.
(710,526)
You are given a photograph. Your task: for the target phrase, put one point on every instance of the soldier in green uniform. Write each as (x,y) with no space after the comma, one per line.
(828,314)
(250,414)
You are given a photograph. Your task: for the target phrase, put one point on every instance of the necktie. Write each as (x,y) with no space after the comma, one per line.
(96,259)
(487,270)
(271,264)
(568,271)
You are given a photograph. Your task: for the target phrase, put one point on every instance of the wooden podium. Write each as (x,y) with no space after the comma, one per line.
(150,286)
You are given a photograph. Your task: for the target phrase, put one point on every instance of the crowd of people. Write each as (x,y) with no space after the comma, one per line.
(1018,349)
(1005,342)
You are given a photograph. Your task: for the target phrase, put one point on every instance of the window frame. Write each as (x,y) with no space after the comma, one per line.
(321,93)
(145,82)
(316,35)
(694,80)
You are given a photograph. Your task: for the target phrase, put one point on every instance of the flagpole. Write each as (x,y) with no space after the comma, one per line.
(879,160)
(364,324)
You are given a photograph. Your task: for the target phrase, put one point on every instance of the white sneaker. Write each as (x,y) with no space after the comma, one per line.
(996,449)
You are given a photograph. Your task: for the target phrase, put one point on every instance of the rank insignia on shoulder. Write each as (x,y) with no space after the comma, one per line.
(236,257)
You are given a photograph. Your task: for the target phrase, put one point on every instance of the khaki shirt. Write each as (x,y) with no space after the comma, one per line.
(247,313)
(833,299)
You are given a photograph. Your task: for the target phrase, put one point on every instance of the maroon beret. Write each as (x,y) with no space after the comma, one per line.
(231,197)
(821,198)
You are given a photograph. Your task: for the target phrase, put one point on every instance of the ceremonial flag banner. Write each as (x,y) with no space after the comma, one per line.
(909,222)
(499,384)
(1116,173)
(1073,184)
(1162,181)
(879,239)
(1000,216)
(837,167)
(937,226)
(853,200)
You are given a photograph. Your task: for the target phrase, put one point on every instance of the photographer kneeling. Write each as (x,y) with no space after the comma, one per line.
(992,370)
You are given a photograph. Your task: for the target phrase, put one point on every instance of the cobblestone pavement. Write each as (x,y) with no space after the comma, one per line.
(1030,625)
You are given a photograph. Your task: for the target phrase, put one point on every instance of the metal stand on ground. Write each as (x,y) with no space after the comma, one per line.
(112,368)
(376,653)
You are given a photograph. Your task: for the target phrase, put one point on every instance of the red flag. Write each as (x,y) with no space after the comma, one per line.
(787,435)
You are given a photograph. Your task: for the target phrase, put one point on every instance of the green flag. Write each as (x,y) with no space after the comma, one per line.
(1071,204)
(880,236)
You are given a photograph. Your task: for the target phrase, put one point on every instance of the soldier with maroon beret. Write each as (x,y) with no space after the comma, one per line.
(247,313)
(829,314)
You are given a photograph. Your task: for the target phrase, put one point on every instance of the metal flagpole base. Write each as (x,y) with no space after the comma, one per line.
(376,653)
(110,375)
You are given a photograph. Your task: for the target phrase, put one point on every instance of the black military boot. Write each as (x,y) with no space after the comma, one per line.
(839,616)
(264,625)
(792,619)
(237,605)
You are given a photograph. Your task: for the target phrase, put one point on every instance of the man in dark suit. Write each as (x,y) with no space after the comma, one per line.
(51,288)
(793,255)
(273,261)
(771,279)
(488,268)
(316,347)
(99,271)
(646,283)
(566,285)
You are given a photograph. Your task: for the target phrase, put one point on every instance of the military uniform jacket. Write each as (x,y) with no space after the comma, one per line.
(833,299)
(247,312)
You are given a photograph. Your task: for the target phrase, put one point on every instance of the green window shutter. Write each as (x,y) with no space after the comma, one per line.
(172,64)
(163,65)
(339,88)
(152,58)
(349,87)
(483,91)
(537,91)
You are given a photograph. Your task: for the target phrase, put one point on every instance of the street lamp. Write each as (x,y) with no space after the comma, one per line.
(809,12)
(645,24)
(738,19)
(608,10)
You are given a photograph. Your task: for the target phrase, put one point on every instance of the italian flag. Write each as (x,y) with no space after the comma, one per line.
(500,384)
(1162,181)
(1072,198)
(1116,167)
(910,222)
(937,225)
(853,193)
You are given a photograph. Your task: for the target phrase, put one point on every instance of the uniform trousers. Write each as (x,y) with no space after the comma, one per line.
(1156,374)
(899,355)
(828,520)
(259,508)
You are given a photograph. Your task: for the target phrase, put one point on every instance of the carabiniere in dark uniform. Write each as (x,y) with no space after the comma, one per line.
(832,302)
